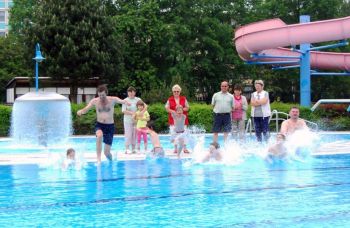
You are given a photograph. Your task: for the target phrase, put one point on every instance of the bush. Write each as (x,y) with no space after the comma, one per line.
(159,116)
(5,120)
(200,115)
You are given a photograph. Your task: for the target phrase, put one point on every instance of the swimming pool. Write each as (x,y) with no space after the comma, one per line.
(172,193)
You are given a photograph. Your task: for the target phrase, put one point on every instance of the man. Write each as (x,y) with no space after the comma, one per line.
(223,105)
(129,123)
(105,122)
(293,123)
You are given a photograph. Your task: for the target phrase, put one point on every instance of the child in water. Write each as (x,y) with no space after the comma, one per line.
(278,150)
(213,153)
(70,159)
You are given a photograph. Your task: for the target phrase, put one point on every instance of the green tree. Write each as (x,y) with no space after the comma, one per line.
(12,62)
(77,39)
(21,13)
(138,23)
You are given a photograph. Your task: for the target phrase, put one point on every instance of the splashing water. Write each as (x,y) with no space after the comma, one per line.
(301,144)
(41,119)
(233,153)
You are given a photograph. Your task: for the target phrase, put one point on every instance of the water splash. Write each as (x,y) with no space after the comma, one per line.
(301,144)
(41,119)
(233,153)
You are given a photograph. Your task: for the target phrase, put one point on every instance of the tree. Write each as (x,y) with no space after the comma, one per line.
(77,42)
(12,62)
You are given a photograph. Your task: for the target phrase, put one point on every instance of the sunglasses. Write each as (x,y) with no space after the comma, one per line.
(176,91)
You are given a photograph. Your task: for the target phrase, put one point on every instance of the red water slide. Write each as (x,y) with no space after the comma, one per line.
(269,36)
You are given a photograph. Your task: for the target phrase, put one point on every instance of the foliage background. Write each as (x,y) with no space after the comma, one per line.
(328,118)
(153,44)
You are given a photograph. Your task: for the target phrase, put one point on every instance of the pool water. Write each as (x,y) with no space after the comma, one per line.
(176,193)
(88,144)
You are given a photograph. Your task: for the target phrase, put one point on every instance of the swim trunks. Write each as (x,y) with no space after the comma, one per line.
(108,132)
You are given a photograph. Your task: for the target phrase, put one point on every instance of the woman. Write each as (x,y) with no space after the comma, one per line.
(239,113)
(170,107)
(261,110)
(129,123)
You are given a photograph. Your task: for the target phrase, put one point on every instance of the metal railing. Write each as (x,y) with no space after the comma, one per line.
(330,101)
(277,116)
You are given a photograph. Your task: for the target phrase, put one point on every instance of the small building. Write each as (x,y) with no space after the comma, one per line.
(21,85)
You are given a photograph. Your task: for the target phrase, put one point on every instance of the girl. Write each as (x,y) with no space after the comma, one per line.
(141,117)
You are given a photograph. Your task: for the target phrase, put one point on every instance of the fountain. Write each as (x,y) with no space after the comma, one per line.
(41,119)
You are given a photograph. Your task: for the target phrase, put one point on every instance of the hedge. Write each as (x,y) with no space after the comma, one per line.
(199,115)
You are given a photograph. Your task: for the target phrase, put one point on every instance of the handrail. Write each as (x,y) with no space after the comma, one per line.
(249,126)
(277,118)
(327,101)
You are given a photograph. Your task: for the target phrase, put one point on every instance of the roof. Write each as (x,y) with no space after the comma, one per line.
(49,82)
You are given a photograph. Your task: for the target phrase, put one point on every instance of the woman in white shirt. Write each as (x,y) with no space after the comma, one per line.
(261,110)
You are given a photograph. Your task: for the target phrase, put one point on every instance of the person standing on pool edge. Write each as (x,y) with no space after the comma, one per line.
(104,127)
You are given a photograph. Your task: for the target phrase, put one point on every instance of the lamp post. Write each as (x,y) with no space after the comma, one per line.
(38,58)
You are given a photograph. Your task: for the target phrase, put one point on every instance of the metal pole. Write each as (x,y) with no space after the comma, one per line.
(36,76)
(305,79)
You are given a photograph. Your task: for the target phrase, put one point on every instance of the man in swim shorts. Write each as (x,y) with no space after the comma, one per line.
(104,128)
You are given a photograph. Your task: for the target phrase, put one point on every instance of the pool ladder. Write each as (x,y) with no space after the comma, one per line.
(277,116)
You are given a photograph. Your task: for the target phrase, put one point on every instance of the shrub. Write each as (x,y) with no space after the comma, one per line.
(200,115)
(159,116)
(341,123)
(5,120)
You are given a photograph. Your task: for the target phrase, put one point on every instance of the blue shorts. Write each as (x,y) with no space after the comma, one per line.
(107,130)
(222,122)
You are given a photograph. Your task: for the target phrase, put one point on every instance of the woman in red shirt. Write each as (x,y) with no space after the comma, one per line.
(170,106)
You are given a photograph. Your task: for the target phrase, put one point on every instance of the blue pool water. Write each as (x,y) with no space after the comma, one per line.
(173,193)
(88,145)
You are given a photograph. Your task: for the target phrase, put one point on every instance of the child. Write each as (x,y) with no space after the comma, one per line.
(278,150)
(141,117)
(179,128)
(70,158)
(213,153)
(157,150)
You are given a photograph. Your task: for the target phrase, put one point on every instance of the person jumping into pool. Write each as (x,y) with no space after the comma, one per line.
(104,127)
(214,153)
(294,123)
(178,138)
(278,150)
(157,150)
(70,159)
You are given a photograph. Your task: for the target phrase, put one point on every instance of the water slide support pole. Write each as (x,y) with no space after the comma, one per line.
(305,76)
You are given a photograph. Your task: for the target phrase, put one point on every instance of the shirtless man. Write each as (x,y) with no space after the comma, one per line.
(293,123)
(104,127)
